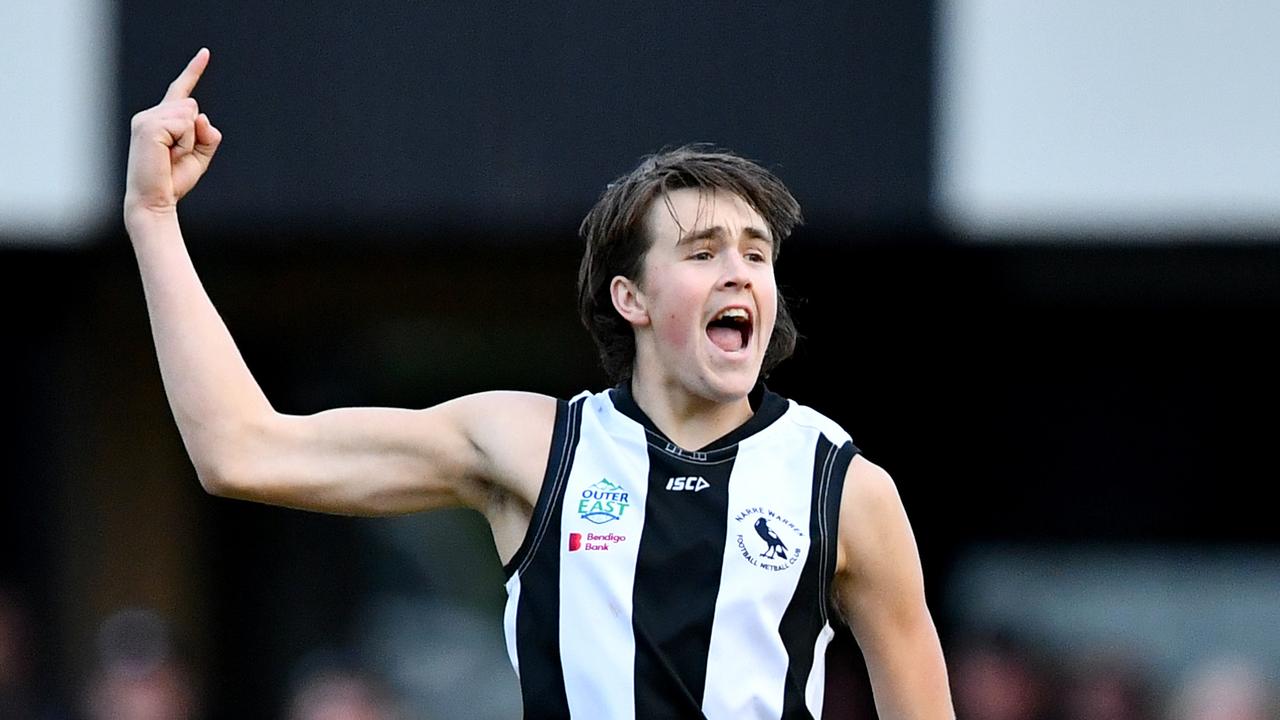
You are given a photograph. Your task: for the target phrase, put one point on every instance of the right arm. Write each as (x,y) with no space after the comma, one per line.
(477,451)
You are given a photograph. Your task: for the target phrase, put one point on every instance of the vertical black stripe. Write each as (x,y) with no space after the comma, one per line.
(831,529)
(807,612)
(538,563)
(677,580)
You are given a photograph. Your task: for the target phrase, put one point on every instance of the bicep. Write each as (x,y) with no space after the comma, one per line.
(385,461)
(878,563)
(880,587)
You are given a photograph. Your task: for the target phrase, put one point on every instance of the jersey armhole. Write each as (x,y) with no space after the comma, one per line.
(564,439)
(831,509)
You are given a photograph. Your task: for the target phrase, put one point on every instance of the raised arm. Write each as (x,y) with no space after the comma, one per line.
(478,451)
(880,588)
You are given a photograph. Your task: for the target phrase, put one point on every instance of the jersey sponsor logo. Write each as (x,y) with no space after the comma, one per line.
(603,502)
(594,542)
(768,540)
(692,484)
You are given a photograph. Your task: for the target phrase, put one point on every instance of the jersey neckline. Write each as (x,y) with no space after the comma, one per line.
(767,407)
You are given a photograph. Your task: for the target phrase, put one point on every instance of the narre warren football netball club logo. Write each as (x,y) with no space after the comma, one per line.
(768,540)
(603,502)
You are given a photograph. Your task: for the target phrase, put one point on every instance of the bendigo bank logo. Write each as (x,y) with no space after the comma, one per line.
(603,502)
(593,541)
(772,542)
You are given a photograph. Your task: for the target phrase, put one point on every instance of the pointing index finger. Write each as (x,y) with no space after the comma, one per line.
(182,86)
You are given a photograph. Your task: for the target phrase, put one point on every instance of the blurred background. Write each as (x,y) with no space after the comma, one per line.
(1039,283)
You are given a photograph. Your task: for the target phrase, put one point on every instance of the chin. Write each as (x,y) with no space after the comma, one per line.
(731,386)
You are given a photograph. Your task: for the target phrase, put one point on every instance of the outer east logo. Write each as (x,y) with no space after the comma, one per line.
(768,540)
(603,502)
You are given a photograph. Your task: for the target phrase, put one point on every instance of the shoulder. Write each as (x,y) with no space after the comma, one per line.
(494,415)
(873,523)
(868,490)
(511,432)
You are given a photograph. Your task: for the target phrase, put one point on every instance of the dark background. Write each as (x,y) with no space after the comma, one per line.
(392,221)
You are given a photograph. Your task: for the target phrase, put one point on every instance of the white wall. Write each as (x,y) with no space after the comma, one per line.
(1141,118)
(59,130)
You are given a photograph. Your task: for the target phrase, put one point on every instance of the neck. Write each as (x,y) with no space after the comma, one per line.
(690,421)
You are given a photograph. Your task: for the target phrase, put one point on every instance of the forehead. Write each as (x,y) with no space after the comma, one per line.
(677,213)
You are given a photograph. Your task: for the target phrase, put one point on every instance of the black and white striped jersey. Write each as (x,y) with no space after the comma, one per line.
(657,582)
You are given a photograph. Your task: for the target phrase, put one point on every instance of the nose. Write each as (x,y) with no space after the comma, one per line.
(736,272)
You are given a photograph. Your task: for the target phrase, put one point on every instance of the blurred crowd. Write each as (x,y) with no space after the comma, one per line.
(1000,676)
(138,673)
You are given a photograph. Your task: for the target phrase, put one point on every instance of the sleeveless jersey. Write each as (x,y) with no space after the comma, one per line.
(657,582)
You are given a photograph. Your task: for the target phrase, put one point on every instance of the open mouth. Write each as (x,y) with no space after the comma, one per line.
(730,330)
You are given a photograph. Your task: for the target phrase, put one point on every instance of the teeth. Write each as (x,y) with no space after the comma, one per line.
(732,314)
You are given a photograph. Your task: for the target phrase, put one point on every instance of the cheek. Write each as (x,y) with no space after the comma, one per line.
(678,305)
(674,332)
(768,304)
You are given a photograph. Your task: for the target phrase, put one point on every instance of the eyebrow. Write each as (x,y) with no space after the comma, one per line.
(715,231)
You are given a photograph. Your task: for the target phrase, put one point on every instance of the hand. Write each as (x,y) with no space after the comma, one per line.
(170,147)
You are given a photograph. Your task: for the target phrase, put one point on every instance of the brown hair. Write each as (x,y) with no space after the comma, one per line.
(616,240)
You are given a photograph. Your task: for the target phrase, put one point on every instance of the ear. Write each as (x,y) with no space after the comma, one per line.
(628,300)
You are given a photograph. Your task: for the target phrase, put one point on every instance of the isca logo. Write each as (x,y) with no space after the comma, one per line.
(603,502)
(692,484)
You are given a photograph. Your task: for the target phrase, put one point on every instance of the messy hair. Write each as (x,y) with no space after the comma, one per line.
(617,240)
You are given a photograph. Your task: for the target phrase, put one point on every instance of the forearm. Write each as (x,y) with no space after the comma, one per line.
(909,676)
(214,398)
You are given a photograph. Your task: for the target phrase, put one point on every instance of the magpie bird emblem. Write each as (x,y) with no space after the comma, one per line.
(776,546)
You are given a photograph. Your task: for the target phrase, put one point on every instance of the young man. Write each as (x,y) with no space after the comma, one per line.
(676,546)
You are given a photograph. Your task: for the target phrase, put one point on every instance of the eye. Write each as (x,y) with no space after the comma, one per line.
(757,256)
(701,255)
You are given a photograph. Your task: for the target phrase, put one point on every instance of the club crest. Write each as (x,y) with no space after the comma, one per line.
(768,540)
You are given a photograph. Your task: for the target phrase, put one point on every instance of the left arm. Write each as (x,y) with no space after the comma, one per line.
(880,589)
